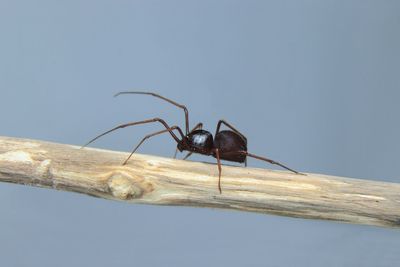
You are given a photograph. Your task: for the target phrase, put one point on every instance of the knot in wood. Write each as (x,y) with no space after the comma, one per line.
(124,187)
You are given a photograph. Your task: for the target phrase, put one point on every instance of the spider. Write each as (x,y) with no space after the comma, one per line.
(229,145)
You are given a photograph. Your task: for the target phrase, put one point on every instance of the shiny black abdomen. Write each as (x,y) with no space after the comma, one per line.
(229,142)
(200,141)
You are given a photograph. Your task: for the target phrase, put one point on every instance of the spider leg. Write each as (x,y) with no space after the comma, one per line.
(137,123)
(187,155)
(198,126)
(262,158)
(219,169)
(165,99)
(229,126)
(176,152)
(147,137)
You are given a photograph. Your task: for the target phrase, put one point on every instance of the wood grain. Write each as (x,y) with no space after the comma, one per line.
(163,181)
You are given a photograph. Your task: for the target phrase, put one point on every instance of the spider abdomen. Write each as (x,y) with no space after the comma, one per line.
(229,142)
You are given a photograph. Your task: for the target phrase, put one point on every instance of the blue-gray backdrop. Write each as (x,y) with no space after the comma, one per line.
(314,84)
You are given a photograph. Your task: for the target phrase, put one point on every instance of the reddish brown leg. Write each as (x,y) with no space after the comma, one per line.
(198,126)
(187,155)
(147,137)
(165,99)
(137,123)
(176,152)
(264,159)
(219,169)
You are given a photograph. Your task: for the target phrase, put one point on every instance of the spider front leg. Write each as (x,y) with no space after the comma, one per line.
(137,123)
(151,135)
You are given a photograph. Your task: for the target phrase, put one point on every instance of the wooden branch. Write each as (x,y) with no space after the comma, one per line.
(164,181)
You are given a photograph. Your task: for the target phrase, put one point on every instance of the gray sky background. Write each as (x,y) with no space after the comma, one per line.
(314,84)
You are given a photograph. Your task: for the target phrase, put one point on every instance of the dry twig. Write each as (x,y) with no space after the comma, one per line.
(163,181)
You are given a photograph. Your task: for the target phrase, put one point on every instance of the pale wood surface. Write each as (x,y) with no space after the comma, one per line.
(164,181)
